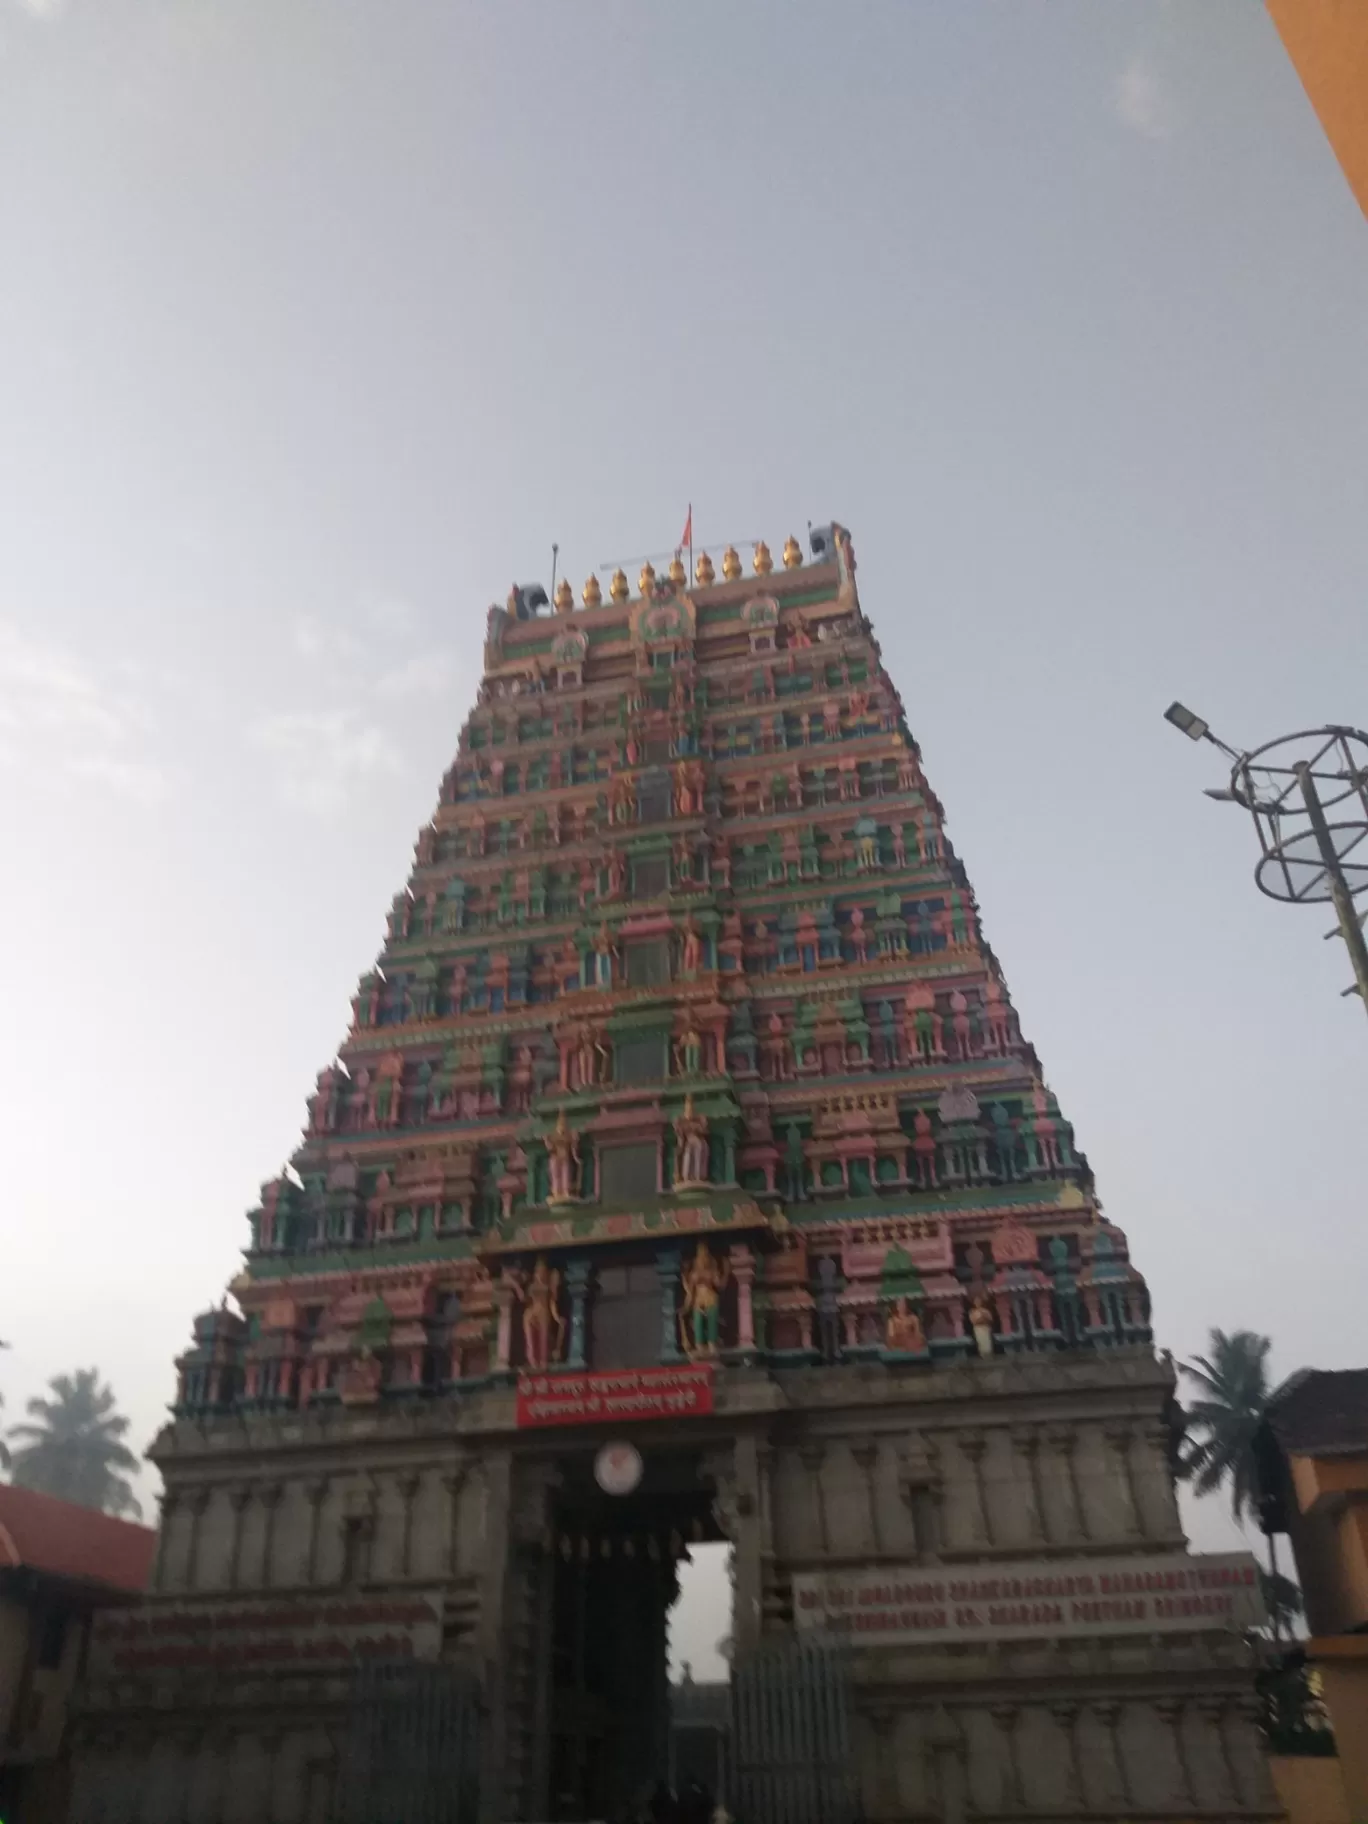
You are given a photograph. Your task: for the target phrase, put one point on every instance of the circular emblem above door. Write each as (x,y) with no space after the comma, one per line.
(617,1468)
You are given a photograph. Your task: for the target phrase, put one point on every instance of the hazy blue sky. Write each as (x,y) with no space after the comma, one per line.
(319,322)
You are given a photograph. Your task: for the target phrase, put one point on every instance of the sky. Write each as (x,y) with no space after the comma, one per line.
(321,320)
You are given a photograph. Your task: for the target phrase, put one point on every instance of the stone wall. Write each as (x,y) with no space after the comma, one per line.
(814,1469)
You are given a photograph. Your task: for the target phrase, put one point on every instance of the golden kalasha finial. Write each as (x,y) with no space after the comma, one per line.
(703,569)
(762,562)
(646,581)
(565,596)
(619,588)
(678,574)
(591,595)
(731,564)
(793,553)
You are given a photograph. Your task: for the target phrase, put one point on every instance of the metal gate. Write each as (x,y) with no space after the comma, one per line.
(791,1739)
(411,1748)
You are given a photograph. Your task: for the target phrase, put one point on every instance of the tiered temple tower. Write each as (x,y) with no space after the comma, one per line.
(685,1113)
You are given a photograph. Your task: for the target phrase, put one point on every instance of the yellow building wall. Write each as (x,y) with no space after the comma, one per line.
(1330,1531)
(1344,1682)
(1327,41)
(1311,1788)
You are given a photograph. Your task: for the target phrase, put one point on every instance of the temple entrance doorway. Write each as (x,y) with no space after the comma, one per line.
(615,1573)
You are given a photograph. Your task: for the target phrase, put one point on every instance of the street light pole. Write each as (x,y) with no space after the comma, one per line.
(1287,786)
(1341,897)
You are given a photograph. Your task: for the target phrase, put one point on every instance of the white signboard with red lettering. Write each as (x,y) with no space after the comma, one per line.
(921,1605)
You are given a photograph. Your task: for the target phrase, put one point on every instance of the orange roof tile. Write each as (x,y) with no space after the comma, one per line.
(58,1539)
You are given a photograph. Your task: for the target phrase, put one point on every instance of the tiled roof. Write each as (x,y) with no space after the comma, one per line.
(58,1539)
(1322,1413)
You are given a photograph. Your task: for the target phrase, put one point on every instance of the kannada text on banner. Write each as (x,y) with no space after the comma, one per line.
(615,1394)
(1176,1591)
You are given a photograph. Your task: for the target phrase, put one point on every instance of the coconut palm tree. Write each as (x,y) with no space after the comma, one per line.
(1219,1446)
(76,1449)
(1222,1424)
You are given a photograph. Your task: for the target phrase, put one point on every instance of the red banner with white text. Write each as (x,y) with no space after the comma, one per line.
(615,1395)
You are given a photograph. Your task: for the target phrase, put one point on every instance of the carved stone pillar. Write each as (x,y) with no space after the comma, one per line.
(739,1508)
(1156,1480)
(272,1740)
(1118,1439)
(1212,1712)
(1006,1716)
(1172,1710)
(269,1494)
(170,1506)
(812,1457)
(743,1272)
(866,1456)
(922,1492)
(577,1274)
(497,1472)
(314,1493)
(408,1485)
(1109,1716)
(1026,1443)
(667,1267)
(887,1799)
(949,1774)
(1063,1440)
(238,1500)
(199,1506)
(764,1466)
(453,1482)
(1065,1715)
(972,1445)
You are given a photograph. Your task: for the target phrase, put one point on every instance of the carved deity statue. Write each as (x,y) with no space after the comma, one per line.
(603,958)
(689,1054)
(691,1143)
(586,1058)
(688,788)
(563,1152)
(520,1081)
(924,1149)
(693,948)
(996,1014)
(543,1327)
(903,1329)
(981,1323)
(776,1049)
(700,1314)
(621,800)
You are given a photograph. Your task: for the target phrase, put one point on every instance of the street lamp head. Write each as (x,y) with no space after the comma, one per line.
(1182,718)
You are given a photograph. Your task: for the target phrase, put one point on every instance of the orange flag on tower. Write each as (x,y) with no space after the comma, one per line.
(686,536)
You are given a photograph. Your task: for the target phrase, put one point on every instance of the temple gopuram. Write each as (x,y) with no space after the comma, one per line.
(684,1176)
